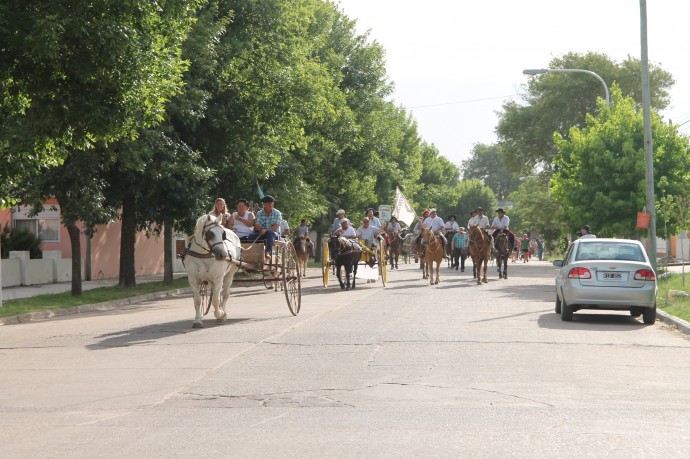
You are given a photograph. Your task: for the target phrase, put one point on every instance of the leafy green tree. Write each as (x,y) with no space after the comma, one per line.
(486,164)
(600,177)
(470,194)
(557,102)
(77,72)
(534,210)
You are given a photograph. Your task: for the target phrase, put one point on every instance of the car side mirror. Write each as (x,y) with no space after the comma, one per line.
(558,263)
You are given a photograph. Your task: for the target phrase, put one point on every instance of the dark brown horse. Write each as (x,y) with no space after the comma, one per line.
(394,249)
(480,250)
(346,253)
(502,248)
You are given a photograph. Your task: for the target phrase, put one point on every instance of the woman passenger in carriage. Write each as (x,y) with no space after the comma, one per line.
(243,220)
(220,211)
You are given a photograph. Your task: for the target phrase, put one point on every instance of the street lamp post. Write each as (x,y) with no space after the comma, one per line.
(588,72)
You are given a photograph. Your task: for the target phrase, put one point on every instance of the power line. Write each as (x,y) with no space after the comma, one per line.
(463,101)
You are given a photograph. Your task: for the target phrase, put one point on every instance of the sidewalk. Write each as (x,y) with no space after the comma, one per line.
(27,291)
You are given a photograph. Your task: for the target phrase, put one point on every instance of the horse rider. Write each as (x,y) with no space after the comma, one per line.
(418,228)
(302,230)
(220,211)
(586,232)
(501,224)
(243,220)
(482,221)
(459,244)
(472,215)
(373,220)
(393,227)
(339,215)
(267,224)
(436,225)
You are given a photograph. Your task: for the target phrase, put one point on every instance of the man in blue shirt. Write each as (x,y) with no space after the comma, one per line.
(266,224)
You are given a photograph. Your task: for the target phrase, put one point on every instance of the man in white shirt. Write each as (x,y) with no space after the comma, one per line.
(367,232)
(345,229)
(501,224)
(482,221)
(451,225)
(435,224)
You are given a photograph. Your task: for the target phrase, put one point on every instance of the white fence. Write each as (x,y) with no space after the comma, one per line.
(20,269)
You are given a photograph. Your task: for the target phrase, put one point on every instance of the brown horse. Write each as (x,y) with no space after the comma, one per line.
(480,249)
(394,249)
(304,249)
(434,252)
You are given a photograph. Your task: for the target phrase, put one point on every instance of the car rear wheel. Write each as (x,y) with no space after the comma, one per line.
(649,315)
(636,311)
(558,304)
(566,312)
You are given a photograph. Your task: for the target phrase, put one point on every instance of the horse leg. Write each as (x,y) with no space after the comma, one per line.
(198,323)
(485,279)
(438,272)
(354,272)
(340,280)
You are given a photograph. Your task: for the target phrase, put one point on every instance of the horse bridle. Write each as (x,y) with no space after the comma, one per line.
(209,253)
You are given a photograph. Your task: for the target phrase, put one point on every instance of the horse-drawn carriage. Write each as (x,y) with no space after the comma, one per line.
(214,256)
(338,251)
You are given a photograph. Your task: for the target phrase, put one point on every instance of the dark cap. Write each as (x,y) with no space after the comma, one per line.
(500,209)
(268,198)
(589,230)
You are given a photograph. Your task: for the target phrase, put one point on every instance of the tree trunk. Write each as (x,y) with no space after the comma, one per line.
(127,237)
(167,252)
(74,239)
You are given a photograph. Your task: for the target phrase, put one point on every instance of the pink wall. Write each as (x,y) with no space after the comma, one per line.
(105,252)
(105,249)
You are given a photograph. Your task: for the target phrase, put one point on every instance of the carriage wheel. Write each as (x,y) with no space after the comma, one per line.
(267,274)
(325,263)
(382,260)
(291,278)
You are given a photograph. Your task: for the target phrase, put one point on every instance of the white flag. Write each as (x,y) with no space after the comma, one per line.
(403,210)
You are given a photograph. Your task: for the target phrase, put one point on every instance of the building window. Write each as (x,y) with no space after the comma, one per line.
(45,225)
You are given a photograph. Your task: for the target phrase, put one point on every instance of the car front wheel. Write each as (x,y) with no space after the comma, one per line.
(649,315)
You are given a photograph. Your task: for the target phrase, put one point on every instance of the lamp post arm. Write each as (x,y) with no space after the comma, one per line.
(588,72)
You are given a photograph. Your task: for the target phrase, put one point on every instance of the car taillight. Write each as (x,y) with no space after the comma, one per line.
(644,275)
(579,273)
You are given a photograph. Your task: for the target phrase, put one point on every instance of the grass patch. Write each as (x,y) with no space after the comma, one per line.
(98,295)
(676,306)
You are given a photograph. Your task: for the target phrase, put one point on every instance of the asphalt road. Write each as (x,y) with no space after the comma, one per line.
(409,370)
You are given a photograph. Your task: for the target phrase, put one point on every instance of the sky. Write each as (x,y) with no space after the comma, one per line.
(454,62)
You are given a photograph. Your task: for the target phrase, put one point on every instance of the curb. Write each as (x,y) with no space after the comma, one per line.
(682,325)
(105,306)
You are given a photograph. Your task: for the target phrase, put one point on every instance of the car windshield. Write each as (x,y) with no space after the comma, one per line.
(609,251)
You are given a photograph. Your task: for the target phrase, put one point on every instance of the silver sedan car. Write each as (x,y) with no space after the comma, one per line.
(612,274)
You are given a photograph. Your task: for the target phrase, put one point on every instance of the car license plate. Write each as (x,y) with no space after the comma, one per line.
(613,276)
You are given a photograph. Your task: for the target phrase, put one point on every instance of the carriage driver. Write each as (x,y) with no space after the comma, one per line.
(436,224)
(266,224)
(346,230)
(367,232)
(502,225)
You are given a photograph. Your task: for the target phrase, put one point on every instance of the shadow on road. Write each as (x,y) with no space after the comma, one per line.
(592,322)
(150,334)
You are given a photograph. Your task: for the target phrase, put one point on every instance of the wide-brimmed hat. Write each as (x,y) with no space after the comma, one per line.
(344,220)
(479,208)
(268,198)
(462,229)
(500,209)
(433,209)
(340,211)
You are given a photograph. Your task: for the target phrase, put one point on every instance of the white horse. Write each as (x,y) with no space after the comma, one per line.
(207,260)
